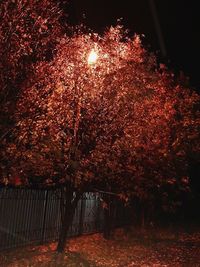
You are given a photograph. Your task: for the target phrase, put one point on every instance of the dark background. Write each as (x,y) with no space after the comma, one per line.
(178,21)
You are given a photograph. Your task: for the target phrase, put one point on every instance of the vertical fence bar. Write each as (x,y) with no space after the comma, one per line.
(44,216)
(28,207)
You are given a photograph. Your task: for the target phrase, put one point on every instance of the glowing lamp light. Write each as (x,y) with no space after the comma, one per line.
(92,58)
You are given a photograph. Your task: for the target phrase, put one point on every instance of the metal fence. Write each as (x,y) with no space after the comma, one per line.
(32,216)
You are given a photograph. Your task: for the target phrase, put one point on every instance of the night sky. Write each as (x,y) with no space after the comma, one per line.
(178,20)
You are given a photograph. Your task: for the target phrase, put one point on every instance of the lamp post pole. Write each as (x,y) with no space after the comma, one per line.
(158,28)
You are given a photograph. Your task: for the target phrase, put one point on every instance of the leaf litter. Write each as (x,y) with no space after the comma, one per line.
(123,250)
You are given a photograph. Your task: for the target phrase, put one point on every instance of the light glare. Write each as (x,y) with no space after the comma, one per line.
(92,58)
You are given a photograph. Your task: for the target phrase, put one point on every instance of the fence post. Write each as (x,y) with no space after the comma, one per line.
(44,216)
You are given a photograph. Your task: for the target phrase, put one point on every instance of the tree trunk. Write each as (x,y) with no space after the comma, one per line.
(69,210)
(143,218)
(107,224)
(107,218)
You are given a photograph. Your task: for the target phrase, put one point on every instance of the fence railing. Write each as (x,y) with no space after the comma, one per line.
(32,216)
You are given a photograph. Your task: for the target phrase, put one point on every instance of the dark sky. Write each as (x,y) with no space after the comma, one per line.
(179,22)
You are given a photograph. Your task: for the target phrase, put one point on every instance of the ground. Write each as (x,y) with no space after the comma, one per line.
(126,249)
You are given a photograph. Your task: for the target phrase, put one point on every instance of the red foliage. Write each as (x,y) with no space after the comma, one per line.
(121,121)
(29,32)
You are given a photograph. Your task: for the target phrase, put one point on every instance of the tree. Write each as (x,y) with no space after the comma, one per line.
(66,113)
(113,124)
(29,32)
(157,147)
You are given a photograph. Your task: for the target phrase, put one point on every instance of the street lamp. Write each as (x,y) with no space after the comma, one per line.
(92,58)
